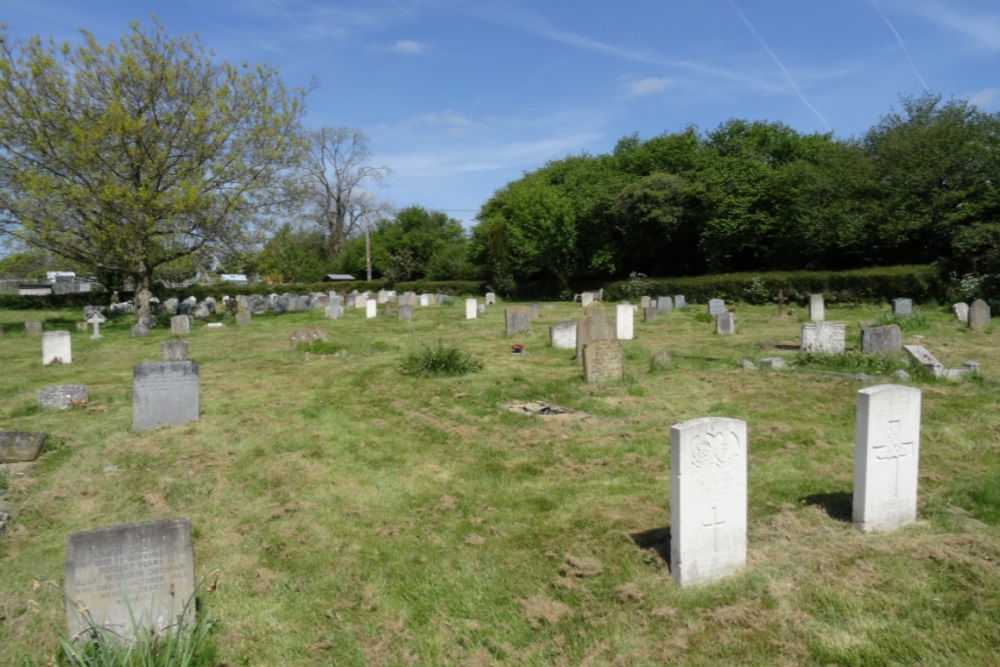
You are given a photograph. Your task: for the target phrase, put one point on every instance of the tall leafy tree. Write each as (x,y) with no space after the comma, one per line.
(128,156)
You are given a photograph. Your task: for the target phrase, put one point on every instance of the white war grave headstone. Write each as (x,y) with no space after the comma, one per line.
(470,309)
(886,457)
(56,348)
(371,308)
(129,576)
(817,308)
(624,322)
(708,499)
(164,393)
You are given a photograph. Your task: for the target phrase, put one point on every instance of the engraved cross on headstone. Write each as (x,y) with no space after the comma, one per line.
(894,449)
(714,524)
(780,300)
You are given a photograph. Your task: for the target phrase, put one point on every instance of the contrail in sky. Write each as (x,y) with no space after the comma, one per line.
(784,71)
(475,105)
(400,8)
(901,44)
(301,33)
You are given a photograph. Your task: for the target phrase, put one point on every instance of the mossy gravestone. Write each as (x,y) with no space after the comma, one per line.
(122,578)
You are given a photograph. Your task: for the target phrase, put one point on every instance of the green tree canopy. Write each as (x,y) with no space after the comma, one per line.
(129,156)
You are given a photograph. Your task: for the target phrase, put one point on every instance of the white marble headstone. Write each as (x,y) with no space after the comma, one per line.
(56,347)
(708,499)
(822,338)
(371,308)
(470,309)
(586,299)
(562,336)
(624,321)
(817,308)
(886,457)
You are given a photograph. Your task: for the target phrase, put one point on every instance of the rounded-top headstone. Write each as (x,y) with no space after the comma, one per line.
(139,331)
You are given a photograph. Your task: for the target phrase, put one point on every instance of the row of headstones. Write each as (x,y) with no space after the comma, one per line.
(115,572)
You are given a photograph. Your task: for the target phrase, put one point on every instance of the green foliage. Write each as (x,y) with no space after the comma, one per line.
(854,362)
(129,156)
(981,497)
(911,322)
(440,360)
(294,256)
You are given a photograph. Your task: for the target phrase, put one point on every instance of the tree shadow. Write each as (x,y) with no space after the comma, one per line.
(657,539)
(839,506)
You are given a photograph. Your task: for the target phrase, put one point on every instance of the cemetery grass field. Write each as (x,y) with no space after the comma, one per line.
(346,513)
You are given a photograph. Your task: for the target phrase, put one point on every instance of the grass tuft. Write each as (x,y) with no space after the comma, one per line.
(442,359)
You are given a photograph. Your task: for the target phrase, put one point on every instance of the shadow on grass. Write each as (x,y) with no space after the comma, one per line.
(657,539)
(839,506)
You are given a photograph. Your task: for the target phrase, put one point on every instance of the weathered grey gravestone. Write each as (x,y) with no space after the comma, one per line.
(716,306)
(961,311)
(63,396)
(20,447)
(817,308)
(602,361)
(56,348)
(405,312)
(164,393)
(33,329)
(822,338)
(562,335)
(624,322)
(725,323)
(680,301)
(243,319)
(886,457)
(882,340)
(334,312)
(649,314)
(138,331)
(664,304)
(143,307)
(534,309)
(979,316)
(644,302)
(517,319)
(592,326)
(708,499)
(136,575)
(174,350)
(180,325)
(902,306)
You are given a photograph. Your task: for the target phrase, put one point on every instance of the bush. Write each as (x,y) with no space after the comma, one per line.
(440,360)
(911,322)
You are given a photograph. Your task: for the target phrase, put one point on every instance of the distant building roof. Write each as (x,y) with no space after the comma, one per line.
(330,277)
(233,278)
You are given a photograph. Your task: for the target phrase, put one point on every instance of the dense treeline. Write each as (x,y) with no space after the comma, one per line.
(755,196)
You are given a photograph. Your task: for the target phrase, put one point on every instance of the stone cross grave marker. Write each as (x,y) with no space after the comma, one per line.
(781,300)
(56,348)
(136,574)
(716,306)
(164,393)
(817,308)
(174,350)
(902,306)
(708,499)
(725,323)
(470,309)
(96,319)
(979,316)
(822,338)
(517,319)
(562,335)
(602,361)
(180,325)
(624,322)
(592,326)
(664,304)
(21,446)
(886,457)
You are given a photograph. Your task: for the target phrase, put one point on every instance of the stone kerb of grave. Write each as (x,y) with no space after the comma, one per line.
(708,499)
(63,396)
(130,576)
(886,457)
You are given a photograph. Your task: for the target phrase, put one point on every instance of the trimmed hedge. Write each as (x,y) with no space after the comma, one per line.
(53,301)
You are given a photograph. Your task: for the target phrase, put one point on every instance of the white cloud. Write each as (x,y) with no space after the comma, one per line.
(409,47)
(647,86)
(984,98)
(983,29)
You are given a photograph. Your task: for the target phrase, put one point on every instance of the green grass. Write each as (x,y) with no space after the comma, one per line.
(358,515)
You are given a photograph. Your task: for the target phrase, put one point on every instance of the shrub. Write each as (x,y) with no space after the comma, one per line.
(911,322)
(440,360)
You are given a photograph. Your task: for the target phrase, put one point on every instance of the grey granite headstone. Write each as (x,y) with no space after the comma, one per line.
(594,325)
(517,319)
(881,340)
(180,325)
(257,304)
(680,301)
(33,329)
(602,361)
(136,575)
(902,306)
(20,447)
(664,304)
(243,319)
(405,312)
(164,393)
(716,306)
(979,316)
(138,331)
(63,396)
(174,350)
(725,323)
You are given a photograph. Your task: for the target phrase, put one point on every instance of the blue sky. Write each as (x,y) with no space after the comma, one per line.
(460,97)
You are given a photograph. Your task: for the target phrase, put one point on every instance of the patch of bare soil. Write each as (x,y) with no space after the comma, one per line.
(543,409)
(543,608)
(580,567)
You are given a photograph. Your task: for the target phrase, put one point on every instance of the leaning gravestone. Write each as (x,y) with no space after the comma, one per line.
(822,338)
(961,311)
(882,340)
(716,306)
(33,329)
(817,308)
(470,309)
(592,326)
(562,335)
(164,393)
(725,323)
(902,306)
(243,319)
(180,325)
(664,304)
(63,396)
(56,348)
(517,319)
(708,499)
(886,457)
(923,357)
(405,313)
(20,447)
(979,316)
(602,361)
(130,576)
(624,322)
(174,350)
